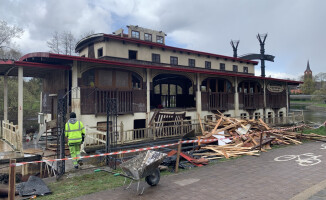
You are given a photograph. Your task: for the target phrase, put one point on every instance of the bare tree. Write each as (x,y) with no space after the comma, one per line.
(68,42)
(54,43)
(65,42)
(8,32)
(11,54)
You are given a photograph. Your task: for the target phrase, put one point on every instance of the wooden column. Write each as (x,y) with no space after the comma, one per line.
(5,98)
(20,107)
(287,99)
(236,98)
(265,101)
(75,91)
(178,156)
(148,94)
(12,179)
(198,95)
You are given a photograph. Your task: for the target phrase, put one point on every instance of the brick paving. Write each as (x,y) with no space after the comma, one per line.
(248,177)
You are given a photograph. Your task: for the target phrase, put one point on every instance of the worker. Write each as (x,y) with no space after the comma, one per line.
(75,132)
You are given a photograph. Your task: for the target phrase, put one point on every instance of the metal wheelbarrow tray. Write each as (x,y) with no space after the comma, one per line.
(144,165)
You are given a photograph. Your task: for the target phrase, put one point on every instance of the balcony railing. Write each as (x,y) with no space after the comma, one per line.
(251,101)
(93,101)
(221,101)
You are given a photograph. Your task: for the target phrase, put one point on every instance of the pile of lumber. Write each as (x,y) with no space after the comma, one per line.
(247,136)
(226,151)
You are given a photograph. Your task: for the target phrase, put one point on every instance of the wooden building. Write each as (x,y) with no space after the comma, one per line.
(145,75)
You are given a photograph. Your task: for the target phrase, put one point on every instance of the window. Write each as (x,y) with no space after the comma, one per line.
(135,34)
(148,37)
(235,68)
(132,55)
(192,63)
(156,58)
(207,64)
(159,39)
(257,116)
(174,60)
(99,52)
(222,66)
(243,115)
(245,69)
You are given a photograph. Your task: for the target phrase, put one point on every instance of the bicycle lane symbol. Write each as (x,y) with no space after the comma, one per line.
(305,160)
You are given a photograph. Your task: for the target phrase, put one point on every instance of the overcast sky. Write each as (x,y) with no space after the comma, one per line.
(296,28)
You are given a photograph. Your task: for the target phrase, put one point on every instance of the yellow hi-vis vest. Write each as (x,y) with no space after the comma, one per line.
(74,132)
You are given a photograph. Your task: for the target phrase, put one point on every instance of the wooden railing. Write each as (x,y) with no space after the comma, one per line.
(158,130)
(276,100)
(251,101)
(124,100)
(11,134)
(221,101)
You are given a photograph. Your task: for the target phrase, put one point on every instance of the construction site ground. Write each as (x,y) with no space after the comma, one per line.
(247,177)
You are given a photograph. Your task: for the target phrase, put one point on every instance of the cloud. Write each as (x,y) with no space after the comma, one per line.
(294,27)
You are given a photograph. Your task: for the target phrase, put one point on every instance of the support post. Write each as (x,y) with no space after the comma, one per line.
(148,95)
(5,98)
(20,107)
(261,141)
(121,133)
(178,156)
(236,98)
(198,95)
(265,100)
(12,179)
(75,91)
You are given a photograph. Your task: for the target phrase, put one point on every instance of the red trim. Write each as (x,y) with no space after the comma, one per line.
(35,54)
(176,48)
(191,70)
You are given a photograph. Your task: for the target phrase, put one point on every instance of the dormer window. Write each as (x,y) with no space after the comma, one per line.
(148,37)
(135,34)
(100,52)
(159,39)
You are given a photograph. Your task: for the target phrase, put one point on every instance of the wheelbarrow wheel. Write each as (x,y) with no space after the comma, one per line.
(154,178)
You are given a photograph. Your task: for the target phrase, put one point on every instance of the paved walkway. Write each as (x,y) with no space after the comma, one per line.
(248,177)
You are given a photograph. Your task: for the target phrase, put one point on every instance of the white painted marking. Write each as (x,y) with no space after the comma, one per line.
(185,182)
(323,146)
(305,160)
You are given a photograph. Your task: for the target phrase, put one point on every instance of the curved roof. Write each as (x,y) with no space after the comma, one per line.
(101,37)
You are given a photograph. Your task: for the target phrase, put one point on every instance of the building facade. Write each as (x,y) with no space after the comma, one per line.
(145,76)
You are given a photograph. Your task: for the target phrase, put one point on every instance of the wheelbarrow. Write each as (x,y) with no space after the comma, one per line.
(144,165)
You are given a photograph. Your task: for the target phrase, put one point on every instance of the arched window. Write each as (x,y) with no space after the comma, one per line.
(170,91)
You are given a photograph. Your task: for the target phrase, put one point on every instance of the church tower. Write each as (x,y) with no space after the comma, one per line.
(308,72)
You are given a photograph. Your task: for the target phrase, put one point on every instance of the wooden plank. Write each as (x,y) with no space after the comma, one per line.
(216,126)
(12,179)
(264,124)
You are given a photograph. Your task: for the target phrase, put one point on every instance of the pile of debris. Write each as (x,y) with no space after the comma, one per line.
(236,137)
(242,137)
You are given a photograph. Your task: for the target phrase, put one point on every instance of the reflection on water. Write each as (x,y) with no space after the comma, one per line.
(318,117)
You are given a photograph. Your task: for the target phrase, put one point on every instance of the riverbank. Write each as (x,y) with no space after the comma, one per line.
(316,108)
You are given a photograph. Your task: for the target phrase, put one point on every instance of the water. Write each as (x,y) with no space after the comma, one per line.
(317,117)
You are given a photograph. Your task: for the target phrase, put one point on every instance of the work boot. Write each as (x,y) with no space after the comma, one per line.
(80,162)
(76,166)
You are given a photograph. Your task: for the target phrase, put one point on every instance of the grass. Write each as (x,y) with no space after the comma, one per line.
(82,185)
(320,105)
(319,131)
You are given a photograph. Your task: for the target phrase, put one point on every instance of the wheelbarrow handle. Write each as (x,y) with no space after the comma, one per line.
(115,174)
